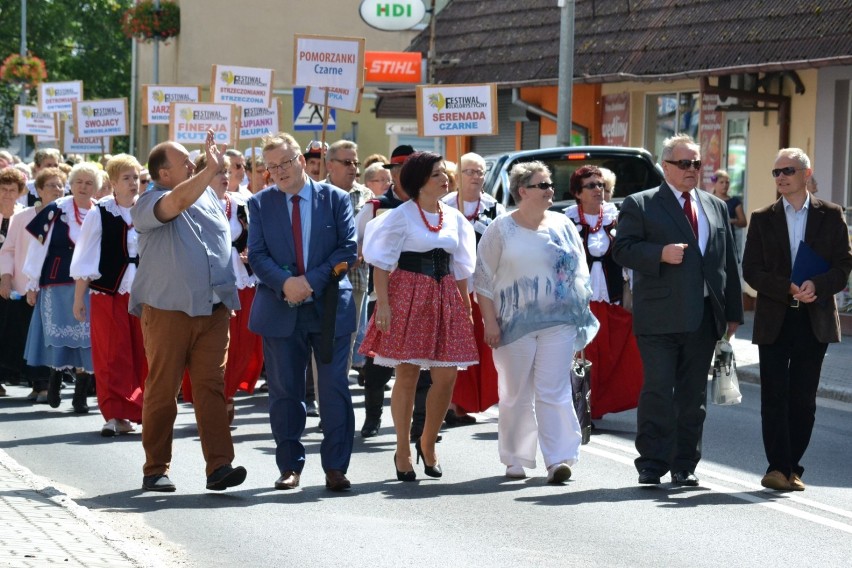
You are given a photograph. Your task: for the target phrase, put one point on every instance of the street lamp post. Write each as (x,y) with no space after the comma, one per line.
(23,54)
(566,73)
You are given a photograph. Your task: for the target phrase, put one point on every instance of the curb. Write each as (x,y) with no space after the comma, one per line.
(751,376)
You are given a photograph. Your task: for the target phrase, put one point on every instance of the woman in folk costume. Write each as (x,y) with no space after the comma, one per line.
(616,364)
(476,386)
(55,338)
(245,349)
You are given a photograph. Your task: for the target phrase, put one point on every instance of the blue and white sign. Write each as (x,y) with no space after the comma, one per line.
(308,116)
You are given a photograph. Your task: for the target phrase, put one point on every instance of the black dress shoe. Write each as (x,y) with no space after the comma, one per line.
(335,480)
(649,477)
(289,480)
(685,477)
(370,428)
(311,409)
(226,476)
(159,482)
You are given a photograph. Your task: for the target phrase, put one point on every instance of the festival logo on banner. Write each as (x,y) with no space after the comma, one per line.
(615,119)
(457,110)
(243,86)
(326,61)
(55,97)
(28,120)
(710,138)
(257,122)
(338,97)
(107,117)
(189,122)
(157,100)
(70,144)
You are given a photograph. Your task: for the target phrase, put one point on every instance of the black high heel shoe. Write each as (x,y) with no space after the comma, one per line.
(404,475)
(430,470)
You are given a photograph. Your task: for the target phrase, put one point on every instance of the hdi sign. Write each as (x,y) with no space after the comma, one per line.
(392,16)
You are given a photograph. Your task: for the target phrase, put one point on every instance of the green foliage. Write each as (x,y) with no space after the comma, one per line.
(78,40)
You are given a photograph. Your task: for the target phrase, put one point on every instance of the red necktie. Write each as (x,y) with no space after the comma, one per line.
(296,222)
(690,213)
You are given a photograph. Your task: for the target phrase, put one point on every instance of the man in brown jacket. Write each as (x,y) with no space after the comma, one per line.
(794,321)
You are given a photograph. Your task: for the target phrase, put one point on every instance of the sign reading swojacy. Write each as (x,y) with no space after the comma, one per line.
(189,122)
(392,16)
(325,61)
(257,122)
(54,97)
(28,120)
(243,86)
(71,144)
(338,97)
(106,117)
(457,110)
(157,99)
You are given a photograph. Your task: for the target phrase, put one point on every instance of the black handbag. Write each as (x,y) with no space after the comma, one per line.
(581,386)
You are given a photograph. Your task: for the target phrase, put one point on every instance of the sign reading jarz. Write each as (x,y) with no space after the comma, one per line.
(457,110)
(157,100)
(392,16)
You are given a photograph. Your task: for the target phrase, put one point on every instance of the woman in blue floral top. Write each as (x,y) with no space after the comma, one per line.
(532,283)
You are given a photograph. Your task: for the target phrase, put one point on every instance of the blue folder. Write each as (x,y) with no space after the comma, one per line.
(807,264)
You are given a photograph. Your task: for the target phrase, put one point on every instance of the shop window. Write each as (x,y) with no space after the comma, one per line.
(668,114)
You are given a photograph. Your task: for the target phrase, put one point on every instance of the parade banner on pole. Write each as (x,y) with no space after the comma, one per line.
(328,61)
(338,97)
(28,120)
(107,117)
(156,101)
(189,122)
(55,97)
(457,110)
(243,86)
(70,144)
(257,122)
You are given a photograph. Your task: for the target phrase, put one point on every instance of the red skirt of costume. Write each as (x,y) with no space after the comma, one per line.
(429,323)
(118,355)
(245,353)
(616,364)
(476,386)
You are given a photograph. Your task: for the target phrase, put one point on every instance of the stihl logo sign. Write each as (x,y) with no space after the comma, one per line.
(393,67)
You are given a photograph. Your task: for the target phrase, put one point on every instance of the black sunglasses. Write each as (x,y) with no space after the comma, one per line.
(788,171)
(594,185)
(685,164)
(541,185)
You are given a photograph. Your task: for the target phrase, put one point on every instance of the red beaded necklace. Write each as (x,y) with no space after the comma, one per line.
(597,226)
(433,229)
(77,215)
(475,213)
(227,208)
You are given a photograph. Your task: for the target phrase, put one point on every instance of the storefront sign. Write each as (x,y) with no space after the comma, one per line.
(28,120)
(615,119)
(457,110)
(243,86)
(394,67)
(710,139)
(392,16)
(157,100)
(107,117)
(54,97)
(189,122)
(324,61)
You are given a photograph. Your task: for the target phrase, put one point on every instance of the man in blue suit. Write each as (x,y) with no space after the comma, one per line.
(299,230)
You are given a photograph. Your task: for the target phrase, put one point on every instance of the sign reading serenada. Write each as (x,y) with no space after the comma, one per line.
(457,110)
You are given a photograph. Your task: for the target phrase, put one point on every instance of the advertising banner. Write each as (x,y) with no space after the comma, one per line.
(710,138)
(457,110)
(394,67)
(615,119)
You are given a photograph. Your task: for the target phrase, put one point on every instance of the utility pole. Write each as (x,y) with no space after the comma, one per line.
(23,54)
(155,80)
(566,73)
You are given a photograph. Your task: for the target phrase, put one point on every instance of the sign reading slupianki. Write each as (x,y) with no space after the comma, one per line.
(71,144)
(338,97)
(55,97)
(243,86)
(157,100)
(257,122)
(189,122)
(457,110)
(327,61)
(106,117)
(28,120)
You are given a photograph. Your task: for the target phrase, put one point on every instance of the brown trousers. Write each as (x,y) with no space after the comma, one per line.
(175,341)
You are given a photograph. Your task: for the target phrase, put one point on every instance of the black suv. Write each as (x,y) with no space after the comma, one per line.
(634,169)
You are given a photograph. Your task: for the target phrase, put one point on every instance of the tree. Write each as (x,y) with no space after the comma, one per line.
(78,40)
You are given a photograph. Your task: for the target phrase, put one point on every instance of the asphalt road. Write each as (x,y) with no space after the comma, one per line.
(472,517)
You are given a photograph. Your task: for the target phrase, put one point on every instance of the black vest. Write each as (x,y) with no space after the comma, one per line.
(114,256)
(57,264)
(612,270)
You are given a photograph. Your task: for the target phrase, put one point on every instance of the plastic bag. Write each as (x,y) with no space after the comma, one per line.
(725,386)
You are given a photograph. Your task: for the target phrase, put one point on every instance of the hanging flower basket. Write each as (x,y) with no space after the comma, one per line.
(27,70)
(146,23)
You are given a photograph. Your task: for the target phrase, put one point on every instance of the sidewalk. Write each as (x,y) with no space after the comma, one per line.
(836,379)
(42,526)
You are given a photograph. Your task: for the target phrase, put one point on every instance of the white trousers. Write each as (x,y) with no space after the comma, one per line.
(536,400)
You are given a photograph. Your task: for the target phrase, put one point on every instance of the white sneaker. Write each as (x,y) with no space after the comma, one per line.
(515,472)
(124,426)
(558,473)
(109,429)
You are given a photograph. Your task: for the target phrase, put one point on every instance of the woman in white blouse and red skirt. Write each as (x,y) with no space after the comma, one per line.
(422,252)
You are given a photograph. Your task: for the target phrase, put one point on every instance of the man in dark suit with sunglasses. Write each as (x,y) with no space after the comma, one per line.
(686,295)
(796,314)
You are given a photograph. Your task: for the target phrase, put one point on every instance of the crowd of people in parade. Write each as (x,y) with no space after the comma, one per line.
(201,276)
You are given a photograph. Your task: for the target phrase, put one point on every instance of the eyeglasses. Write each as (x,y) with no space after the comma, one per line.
(472,173)
(685,164)
(788,171)
(594,185)
(285,165)
(541,185)
(347,163)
